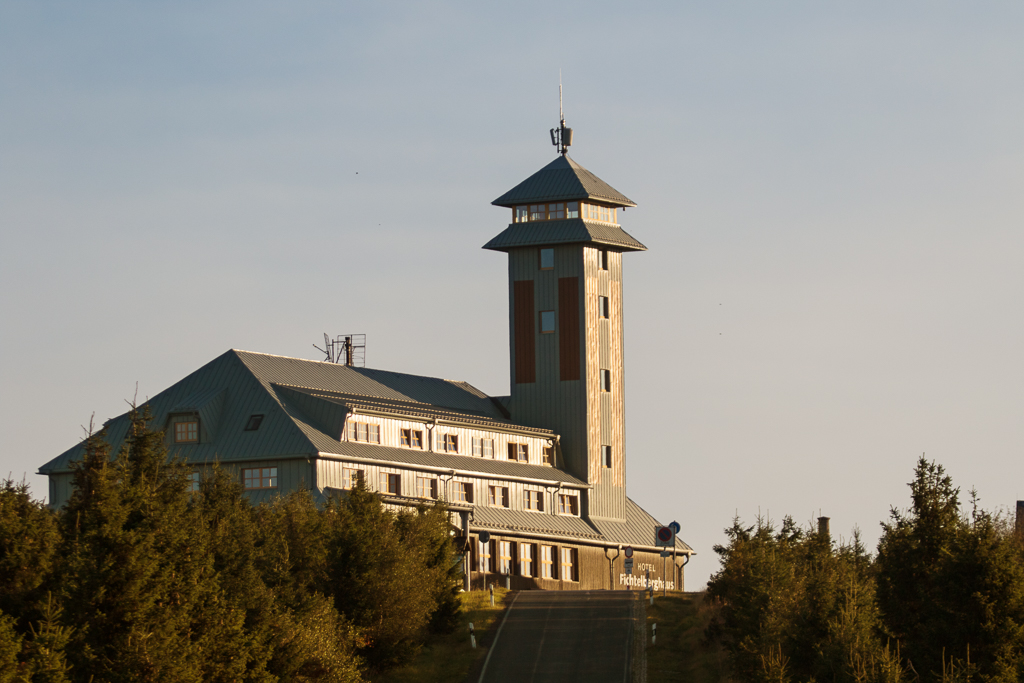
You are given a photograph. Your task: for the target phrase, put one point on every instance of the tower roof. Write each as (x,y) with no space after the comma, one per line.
(562,180)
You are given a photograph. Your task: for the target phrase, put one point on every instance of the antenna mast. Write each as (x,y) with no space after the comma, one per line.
(561,137)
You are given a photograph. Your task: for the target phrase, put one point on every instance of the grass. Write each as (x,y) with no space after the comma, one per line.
(680,653)
(448,658)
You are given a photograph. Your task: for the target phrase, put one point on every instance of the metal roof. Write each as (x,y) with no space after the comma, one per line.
(562,180)
(567,231)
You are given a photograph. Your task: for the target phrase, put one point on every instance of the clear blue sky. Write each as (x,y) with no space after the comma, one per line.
(831,195)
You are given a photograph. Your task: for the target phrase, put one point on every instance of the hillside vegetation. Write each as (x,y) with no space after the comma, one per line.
(139,578)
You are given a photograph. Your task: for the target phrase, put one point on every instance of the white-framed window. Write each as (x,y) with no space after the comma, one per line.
(497,496)
(186,431)
(259,478)
(449,443)
(364,431)
(606,456)
(483,553)
(390,484)
(547,561)
(602,306)
(194,478)
(533,500)
(570,565)
(351,478)
(483,448)
(549,455)
(606,380)
(519,452)
(463,492)
(426,487)
(547,258)
(594,212)
(554,211)
(504,557)
(547,322)
(527,557)
(568,504)
(411,438)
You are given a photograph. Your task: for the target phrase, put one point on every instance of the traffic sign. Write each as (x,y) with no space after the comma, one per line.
(666,553)
(485,537)
(674,526)
(629,551)
(629,565)
(664,536)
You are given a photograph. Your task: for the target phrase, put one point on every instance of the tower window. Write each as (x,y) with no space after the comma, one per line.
(606,455)
(602,306)
(593,212)
(552,212)
(572,210)
(606,380)
(547,322)
(547,259)
(602,259)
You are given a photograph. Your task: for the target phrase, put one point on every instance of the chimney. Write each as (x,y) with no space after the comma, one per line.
(824,531)
(1019,526)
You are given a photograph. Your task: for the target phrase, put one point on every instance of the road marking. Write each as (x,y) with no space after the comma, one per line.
(497,635)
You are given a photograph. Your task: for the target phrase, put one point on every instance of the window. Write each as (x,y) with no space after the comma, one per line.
(572,210)
(260,478)
(497,496)
(390,484)
(568,504)
(518,451)
(606,380)
(533,500)
(549,455)
(411,438)
(351,478)
(593,212)
(602,306)
(426,487)
(186,432)
(504,557)
(483,448)
(463,492)
(602,259)
(606,455)
(484,554)
(527,556)
(254,423)
(547,561)
(569,565)
(193,480)
(449,443)
(362,431)
(547,322)
(547,259)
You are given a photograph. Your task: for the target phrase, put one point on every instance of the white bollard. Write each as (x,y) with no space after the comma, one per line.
(492,595)
(472,636)
(654,634)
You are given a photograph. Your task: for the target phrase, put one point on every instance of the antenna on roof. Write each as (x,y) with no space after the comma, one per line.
(348,349)
(561,137)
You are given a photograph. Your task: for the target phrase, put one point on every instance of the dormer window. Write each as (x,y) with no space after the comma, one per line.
(555,211)
(186,431)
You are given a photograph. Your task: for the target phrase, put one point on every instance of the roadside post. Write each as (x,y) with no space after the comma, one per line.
(654,634)
(472,636)
(674,526)
(492,594)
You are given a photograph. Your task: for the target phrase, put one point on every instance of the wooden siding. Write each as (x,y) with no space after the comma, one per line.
(598,568)
(524,333)
(569,328)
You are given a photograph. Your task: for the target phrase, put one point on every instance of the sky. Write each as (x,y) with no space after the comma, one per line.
(830,194)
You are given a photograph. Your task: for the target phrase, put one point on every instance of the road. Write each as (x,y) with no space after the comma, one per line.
(563,636)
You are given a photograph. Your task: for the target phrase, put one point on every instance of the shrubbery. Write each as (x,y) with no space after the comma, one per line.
(943,600)
(139,579)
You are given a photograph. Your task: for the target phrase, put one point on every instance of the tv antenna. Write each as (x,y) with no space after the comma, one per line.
(346,349)
(561,137)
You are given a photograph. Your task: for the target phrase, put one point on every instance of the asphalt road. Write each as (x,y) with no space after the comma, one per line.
(563,636)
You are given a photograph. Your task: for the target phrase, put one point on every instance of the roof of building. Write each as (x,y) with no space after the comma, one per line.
(304,403)
(560,181)
(567,231)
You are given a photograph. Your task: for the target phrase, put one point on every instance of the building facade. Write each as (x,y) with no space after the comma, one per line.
(536,480)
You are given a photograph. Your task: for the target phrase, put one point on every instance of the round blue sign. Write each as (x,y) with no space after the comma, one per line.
(674,526)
